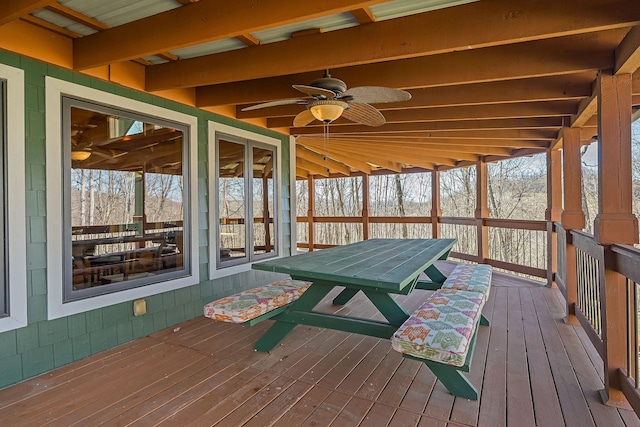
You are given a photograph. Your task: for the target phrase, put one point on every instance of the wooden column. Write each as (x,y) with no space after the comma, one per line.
(572,215)
(365,207)
(482,210)
(436,212)
(615,222)
(311,213)
(554,210)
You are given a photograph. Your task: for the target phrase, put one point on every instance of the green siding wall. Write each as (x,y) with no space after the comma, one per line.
(44,345)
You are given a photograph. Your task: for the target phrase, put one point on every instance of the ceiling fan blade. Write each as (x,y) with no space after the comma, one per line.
(376,94)
(315,91)
(364,113)
(276,103)
(303,119)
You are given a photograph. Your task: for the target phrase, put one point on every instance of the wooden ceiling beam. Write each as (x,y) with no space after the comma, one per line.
(76,16)
(551,88)
(315,157)
(526,134)
(493,111)
(313,168)
(452,142)
(49,26)
(14,9)
(364,15)
(554,123)
(302,173)
(435,149)
(628,53)
(580,53)
(248,39)
(388,152)
(408,37)
(356,164)
(388,160)
(406,151)
(196,23)
(587,108)
(94,24)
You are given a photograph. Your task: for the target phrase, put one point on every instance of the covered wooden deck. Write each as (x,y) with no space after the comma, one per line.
(531,368)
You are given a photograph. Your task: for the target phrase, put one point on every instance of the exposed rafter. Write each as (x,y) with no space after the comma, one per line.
(494,111)
(412,36)
(628,53)
(198,22)
(489,79)
(11,10)
(581,53)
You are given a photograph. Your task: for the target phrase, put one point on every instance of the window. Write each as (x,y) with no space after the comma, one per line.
(13,268)
(124,197)
(127,220)
(245,214)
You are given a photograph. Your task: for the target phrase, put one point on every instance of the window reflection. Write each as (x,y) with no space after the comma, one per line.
(263,230)
(246,200)
(232,200)
(126,199)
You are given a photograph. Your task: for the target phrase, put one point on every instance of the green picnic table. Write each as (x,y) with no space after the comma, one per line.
(377,267)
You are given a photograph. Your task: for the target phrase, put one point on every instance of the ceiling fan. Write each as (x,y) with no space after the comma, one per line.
(329,99)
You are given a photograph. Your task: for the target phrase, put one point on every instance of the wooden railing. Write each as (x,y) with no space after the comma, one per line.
(588,307)
(625,260)
(526,254)
(607,308)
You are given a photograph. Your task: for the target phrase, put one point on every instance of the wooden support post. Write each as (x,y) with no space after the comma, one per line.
(436,212)
(554,210)
(572,215)
(365,207)
(615,222)
(311,213)
(482,210)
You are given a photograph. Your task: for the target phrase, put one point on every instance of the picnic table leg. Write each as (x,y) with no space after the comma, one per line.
(388,307)
(309,299)
(483,320)
(344,296)
(436,276)
(453,380)
(273,336)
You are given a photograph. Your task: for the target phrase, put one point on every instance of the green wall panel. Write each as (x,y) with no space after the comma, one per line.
(44,345)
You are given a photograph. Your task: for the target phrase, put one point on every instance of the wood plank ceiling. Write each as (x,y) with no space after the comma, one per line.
(489,79)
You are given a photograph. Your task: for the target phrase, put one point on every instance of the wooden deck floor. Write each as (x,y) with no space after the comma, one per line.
(531,368)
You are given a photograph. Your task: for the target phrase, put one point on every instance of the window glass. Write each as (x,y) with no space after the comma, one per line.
(246,200)
(125,199)
(263,201)
(232,207)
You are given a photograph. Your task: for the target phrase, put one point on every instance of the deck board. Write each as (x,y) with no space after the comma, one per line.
(530,366)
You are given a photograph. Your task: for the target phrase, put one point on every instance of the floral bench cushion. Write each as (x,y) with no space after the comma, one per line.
(442,328)
(249,304)
(470,277)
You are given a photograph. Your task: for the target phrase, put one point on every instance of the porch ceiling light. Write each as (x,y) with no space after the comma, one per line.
(327,111)
(80,155)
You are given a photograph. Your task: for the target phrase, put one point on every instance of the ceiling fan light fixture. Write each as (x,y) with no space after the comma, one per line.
(80,155)
(327,111)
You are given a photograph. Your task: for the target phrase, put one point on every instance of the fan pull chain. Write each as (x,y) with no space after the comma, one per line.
(326,144)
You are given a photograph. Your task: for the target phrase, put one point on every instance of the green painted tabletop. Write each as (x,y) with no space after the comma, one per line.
(389,264)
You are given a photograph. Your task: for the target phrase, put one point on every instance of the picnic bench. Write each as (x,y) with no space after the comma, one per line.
(255,305)
(442,332)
